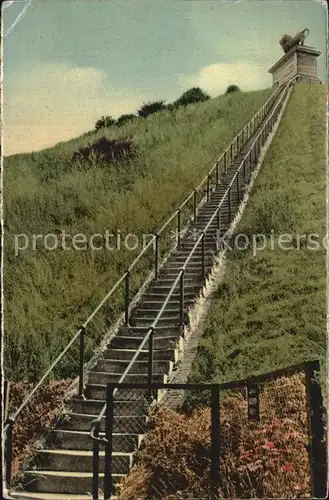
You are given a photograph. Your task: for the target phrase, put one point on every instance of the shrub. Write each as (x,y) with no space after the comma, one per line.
(105,121)
(232,88)
(151,107)
(106,150)
(191,96)
(123,119)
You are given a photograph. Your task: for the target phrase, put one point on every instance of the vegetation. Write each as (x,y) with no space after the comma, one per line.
(267,459)
(106,151)
(49,293)
(151,107)
(270,309)
(191,96)
(232,88)
(123,119)
(105,121)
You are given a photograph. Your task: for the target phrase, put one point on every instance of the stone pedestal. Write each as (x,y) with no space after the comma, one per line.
(299,62)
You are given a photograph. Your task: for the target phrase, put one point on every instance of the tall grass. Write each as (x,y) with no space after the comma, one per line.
(270,310)
(49,293)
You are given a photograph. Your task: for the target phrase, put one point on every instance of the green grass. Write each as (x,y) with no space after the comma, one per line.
(48,294)
(270,309)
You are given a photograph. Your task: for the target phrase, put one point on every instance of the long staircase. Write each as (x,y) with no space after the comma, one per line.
(63,469)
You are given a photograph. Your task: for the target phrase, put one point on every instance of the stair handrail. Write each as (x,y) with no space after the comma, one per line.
(11,419)
(96,422)
(152,328)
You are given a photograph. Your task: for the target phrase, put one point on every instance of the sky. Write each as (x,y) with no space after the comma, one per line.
(66,63)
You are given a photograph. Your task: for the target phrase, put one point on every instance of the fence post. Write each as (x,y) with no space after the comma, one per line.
(95,462)
(127,296)
(156,256)
(178,227)
(150,364)
(9,451)
(81,360)
(229,204)
(181,297)
(217,174)
(108,480)
(316,431)
(194,205)
(215,438)
(203,253)
(208,187)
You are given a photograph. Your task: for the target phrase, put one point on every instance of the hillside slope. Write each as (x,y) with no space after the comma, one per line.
(50,292)
(270,310)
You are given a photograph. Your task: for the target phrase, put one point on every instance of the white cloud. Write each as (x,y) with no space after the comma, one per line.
(56,102)
(215,78)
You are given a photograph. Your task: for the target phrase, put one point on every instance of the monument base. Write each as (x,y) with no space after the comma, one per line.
(299,62)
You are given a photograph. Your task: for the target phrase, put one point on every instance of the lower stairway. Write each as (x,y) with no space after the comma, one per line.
(63,469)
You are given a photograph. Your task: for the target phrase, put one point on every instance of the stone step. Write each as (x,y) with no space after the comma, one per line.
(163,342)
(172,304)
(119,366)
(141,331)
(98,391)
(81,440)
(147,313)
(121,407)
(148,321)
(81,460)
(76,483)
(122,424)
(49,496)
(127,354)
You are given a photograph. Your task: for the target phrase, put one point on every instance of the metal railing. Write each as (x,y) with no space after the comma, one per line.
(204,188)
(250,159)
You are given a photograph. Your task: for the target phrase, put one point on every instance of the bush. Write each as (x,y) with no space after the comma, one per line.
(232,88)
(105,121)
(106,150)
(123,119)
(151,107)
(191,96)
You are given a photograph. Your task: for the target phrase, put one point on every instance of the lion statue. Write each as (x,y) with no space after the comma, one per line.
(287,42)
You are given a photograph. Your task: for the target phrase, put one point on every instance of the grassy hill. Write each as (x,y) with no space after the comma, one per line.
(48,294)
(270,310)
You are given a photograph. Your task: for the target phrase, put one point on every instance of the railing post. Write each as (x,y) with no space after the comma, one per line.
(215,438)
(95,483)
(127,297)
(231,150)
(244,170)
(238,143)
(243,138)
(108,480)
(217,174)
(178,226)
(194,205)
(208,187)
(9,451)
(203,253)
(181,297)
(237,186)
(81,360)
(229,204)
(150,364)
(156,256)
(225,162)
(316,423)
